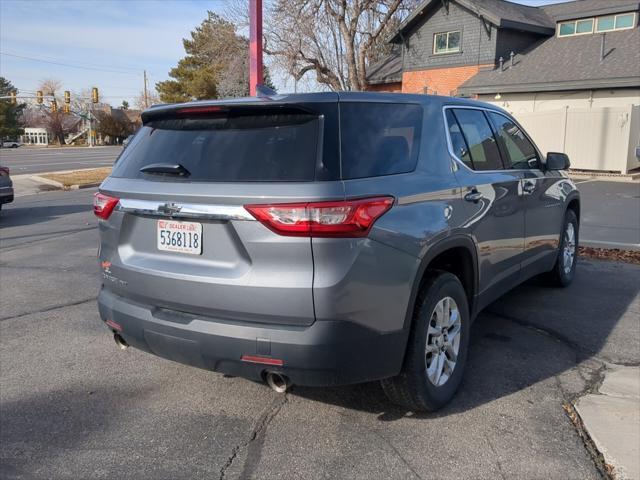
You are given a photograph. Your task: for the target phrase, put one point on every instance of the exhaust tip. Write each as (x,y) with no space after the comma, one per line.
(120,342)
(279,383)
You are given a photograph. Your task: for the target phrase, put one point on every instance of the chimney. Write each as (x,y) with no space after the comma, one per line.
(501,60)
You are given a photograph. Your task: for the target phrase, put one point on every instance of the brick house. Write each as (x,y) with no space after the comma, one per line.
(444,44)
(569,72)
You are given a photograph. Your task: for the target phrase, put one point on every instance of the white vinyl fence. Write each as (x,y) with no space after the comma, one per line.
(603,139)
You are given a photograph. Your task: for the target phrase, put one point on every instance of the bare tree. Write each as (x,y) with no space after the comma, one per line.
(140,103)
(336,39)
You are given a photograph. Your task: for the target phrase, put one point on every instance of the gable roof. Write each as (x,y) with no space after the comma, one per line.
(386,70)
(501,13)
(566,64)
(588,8)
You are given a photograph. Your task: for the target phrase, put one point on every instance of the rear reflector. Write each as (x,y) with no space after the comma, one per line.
(114,325)
(103,205)
(263,360)
(347,218)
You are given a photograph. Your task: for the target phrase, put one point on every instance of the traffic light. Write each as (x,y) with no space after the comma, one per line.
(54,106)
(13,98)
(66,108)
(39,97)
(67,97)
(94,95)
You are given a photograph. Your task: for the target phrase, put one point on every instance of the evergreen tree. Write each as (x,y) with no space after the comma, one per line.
(10,124)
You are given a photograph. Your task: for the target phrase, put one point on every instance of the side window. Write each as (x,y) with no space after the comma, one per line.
(479,137)
(519,151)
(379,138)
(460,147)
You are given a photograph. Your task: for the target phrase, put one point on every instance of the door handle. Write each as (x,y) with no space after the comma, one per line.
(529,186)
(473,196)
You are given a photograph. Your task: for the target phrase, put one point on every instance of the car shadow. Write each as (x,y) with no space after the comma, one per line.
(532,334)
(11,216)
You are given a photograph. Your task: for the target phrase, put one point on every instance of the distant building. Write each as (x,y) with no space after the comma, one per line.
(570,72)
(35,136)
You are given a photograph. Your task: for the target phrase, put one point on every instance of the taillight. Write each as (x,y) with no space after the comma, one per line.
(348,218)
(103,205)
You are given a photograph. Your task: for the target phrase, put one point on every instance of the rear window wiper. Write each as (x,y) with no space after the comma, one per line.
(166,169)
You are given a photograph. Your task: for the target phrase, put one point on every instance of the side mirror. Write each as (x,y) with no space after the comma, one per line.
(557,161)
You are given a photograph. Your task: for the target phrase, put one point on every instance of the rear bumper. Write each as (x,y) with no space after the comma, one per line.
(6,195)
(322,354)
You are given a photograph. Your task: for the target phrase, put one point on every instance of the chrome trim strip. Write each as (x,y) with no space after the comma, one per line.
(183,210)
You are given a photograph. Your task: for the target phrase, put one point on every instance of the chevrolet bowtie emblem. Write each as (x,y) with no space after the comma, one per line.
(169,208)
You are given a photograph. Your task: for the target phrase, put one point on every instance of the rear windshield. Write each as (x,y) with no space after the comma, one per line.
(317,141)
(226,147)
(379,138)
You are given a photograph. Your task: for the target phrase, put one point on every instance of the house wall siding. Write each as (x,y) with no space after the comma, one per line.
(513,41)
(478,48)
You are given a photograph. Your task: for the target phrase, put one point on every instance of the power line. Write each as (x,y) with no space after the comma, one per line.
(69,65)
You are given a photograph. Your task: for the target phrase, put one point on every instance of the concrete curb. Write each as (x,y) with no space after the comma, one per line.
(611,417)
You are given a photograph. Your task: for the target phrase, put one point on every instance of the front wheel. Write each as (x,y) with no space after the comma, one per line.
(437,347)
(564,269)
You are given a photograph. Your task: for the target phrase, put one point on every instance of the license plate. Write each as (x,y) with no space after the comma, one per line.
(183,237)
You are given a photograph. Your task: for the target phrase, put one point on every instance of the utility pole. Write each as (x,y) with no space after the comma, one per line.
(255,45)
(146,95)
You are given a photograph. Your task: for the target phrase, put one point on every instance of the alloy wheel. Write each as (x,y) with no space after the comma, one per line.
(569,250)
(443,341)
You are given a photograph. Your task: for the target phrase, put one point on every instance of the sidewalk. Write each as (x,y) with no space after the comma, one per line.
(612,418)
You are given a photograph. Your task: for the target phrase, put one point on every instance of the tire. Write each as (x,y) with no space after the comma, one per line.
(560,275)
(418,388)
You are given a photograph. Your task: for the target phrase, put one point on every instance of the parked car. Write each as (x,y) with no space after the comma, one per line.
(327,239)
(6,186)
(126,141)
(10,143)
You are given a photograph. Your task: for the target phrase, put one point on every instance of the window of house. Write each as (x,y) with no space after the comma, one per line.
(448,42)
(477,134)
(518,151)
(606,23)
(625,21)
(576,27)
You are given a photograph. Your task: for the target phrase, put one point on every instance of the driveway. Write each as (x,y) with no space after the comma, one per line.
(73,406)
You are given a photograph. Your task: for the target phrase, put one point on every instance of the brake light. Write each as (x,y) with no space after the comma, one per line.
(348,218)
(103,205)
(200,110)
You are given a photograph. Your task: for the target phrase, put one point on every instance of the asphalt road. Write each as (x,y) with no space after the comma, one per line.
(73,406)
(610,214)
(26,160)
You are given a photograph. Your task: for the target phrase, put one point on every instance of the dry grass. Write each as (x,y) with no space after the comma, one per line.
(80,177)
(614,254)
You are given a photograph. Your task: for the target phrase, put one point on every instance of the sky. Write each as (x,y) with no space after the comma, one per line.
(102,43)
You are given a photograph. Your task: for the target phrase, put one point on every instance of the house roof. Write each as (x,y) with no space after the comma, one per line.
(566,64)
(386,70)
(588,8)
(501,13)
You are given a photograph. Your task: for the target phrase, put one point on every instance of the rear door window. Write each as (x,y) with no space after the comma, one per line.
(263,146)
(379,138)
(478,135)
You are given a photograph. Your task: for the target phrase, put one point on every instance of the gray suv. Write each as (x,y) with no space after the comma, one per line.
(326,239)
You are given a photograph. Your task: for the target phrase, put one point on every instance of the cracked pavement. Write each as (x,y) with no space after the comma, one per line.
(73,406)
